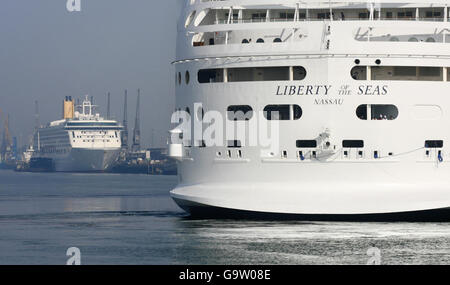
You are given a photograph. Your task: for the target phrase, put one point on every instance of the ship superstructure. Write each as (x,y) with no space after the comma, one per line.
(359,91)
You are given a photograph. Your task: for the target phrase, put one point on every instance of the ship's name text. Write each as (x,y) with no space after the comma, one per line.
(291,90)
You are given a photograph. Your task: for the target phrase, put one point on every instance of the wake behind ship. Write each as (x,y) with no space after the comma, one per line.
(80,142)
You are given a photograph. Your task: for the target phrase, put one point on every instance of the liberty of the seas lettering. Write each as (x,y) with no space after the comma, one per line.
(292,90)
(372,90)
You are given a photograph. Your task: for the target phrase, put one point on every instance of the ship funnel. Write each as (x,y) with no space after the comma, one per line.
(68,108)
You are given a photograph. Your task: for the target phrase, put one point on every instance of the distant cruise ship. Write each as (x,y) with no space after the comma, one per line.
(360,90)
(81,142)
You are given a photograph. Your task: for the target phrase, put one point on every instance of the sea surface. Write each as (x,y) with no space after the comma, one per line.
(130,219)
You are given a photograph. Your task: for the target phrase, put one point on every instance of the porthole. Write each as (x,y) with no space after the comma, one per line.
(377,112)
(357,61)
(359,73)
(378,61)
(179,78)
(187,77)
(283,112)
(239,113)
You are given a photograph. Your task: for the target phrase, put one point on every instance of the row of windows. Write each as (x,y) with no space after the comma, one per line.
(360,144)
(411,73)
(295,112)
(285,112)
(245,74)
(287,73)
(302,155)
(346,144)
(223,16)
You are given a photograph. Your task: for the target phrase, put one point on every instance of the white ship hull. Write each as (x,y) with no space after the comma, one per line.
(376,189)
(86,160)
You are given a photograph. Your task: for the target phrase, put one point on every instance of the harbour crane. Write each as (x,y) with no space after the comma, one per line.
(6,139)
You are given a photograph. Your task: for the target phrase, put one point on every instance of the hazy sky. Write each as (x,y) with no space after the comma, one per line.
(47,53)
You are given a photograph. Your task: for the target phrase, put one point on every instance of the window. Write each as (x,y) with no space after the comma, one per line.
(260,41)
(258,74)
(187,77)
(258,17)
(434,144)
(404,73)
(377,112)
(234,144)
(248,74)
(363,15)
(361,112)
(429,71)
(286,16)
(283,112)
(299,72)
(277,40)
(245,41)
(353,143)
(210,75)
(277,112)
(322,16)
(239,113)
(359,73)
(306,143)
(405,15)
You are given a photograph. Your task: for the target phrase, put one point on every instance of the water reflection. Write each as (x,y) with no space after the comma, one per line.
(231,242)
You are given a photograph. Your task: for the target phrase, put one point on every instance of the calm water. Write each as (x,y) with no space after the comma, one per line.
(130,219)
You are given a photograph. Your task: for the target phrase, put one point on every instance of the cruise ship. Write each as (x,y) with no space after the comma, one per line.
(82,141)
(356,94)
